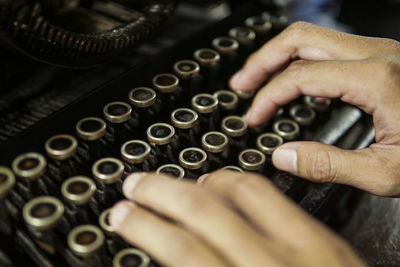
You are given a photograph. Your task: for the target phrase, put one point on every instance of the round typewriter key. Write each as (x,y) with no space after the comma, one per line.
(160,134)
(105,224)
(245,95)
(85,240)
(192,158)
(320,106)
(259,24)
(268,142)
(142,97)
(207,57)
(287,129)
(43,213)
(29,166)
(61,146)
(225,45)
(234,126)
(244,35)
(184,118)
(135,151)
(251,160)
(78,190)
(233,168)
(166,83)
(186,69)
(171,170)
(204,103)
(131,257)
(117,112)
(227,100)
(303,115)
(108,170)
(215,142)
(7,181)
(91,128)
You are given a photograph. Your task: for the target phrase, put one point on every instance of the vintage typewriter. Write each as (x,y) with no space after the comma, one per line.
(172,113)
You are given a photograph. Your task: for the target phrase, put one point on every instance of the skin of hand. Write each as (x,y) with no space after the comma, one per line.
(306,59)
(227,219)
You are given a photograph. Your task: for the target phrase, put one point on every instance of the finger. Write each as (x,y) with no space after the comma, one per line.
(372,169)
(352,81)
(201,214)
(305,41)
(267,208)
(165,242)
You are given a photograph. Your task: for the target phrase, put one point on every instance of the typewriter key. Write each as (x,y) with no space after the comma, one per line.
(252,160)
(135,151)
(186,123)
(268,142)
(85,240)
(105,224)
(193,158)
(234,126)
(108,170)
(166,83)
(142,97)
(131,257)
(113,242)
(319,106)
(233,168)
(244,35)
(7,181)
(61,147)
(90,129)
(171,170)
(207,57)
(204,103)
(225,45)
(78,190)
(303,115)
(117,112)
(287,129)
(186,69)
(160,134)
(43,213)
(227,101)
(216,144)
(29,166)
(259,25)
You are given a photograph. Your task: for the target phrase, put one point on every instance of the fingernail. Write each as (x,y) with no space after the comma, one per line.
(285,159)
(236,80)
(120,212)
(131,182)
(202,178)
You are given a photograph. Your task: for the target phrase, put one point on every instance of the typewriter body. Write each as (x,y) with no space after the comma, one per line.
(172,113)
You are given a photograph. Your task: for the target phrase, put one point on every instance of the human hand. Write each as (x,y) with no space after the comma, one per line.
(306,59)
(230,219)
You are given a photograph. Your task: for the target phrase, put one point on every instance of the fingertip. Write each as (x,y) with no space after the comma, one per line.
(130,183)
(285,158)
(120,212)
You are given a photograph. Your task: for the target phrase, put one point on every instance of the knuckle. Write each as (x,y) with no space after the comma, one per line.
(295,68)
(389,69)
(244,185)
(321,167)
(297,28)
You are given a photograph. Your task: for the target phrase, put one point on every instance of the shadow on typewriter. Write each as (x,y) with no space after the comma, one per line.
(173,114)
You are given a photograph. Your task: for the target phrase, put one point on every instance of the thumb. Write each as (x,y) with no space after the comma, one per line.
(368,169)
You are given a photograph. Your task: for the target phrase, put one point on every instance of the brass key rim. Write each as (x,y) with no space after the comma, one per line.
(249,166)
(286,135)
(82,198)
(8,183)
(214,148)
(177,167)
(135,159)
(216,43)
(160,140)
(117,118)
(233,168)
(131,251)
(268,150)
(184,124)
(251,36)
(142,103)
(244,95)
(107,228)
(204,109)
(64,153)
(91,136)
(45,223)
(308,100)
(87,249)
(166,88)
(227,105)
(260,29)
(234,132)
(207,62)
(186,75)
(111,177)
(33,173)
(192,165)
(301,120)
